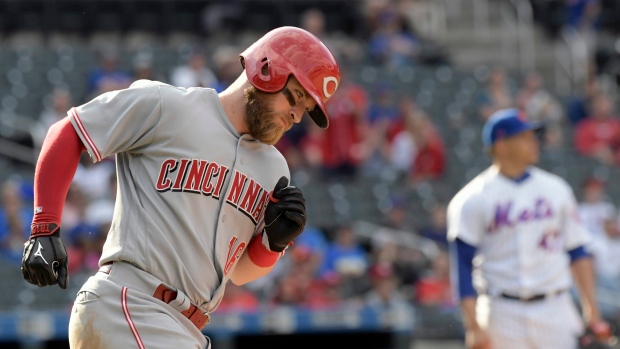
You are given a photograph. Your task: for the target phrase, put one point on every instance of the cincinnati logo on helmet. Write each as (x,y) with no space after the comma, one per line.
(326,81)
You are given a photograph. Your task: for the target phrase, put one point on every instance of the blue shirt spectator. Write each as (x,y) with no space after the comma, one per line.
(344,255)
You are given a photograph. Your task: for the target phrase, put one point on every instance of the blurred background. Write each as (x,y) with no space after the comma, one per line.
(419,79)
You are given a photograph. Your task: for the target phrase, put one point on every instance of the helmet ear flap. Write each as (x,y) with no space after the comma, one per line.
(264,70)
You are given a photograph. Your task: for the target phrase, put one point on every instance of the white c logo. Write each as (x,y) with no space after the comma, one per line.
(326,80)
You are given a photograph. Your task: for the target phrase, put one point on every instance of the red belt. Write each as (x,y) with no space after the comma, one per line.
(166,295)
(194,314)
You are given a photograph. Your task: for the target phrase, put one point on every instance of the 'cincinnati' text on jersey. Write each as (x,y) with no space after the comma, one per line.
(207,178)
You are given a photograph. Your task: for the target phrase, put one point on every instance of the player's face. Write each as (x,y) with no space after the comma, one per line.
(269,115)
(523,148)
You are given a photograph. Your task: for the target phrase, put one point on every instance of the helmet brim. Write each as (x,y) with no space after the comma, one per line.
(318,115)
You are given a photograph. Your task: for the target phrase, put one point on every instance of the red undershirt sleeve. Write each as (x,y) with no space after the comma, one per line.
(56,167)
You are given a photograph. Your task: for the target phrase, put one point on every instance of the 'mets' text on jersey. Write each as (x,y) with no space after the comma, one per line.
(524,227)
(208,178)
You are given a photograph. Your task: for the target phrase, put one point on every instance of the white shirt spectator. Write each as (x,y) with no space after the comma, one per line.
(194,74)
(594,214)
(404,151)
(606,251)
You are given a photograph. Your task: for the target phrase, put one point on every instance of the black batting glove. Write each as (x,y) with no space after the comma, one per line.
(44,262)
(285,215)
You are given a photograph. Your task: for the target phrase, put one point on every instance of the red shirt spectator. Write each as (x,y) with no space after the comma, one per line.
(341,144)
(344,134)
(237,298)
(599,135)
(421,141)
(435,288)
(430,161)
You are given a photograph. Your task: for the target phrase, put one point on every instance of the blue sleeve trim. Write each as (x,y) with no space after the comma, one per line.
(578,253)
(461,265)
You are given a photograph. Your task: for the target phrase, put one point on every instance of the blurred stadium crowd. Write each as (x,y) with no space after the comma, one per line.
(403,137)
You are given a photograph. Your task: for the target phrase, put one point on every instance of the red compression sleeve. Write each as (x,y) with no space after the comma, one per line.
(58,161)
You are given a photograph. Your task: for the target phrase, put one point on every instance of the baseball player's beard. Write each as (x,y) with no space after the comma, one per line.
(261,120)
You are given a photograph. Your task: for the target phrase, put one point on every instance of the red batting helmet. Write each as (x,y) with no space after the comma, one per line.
(271,60)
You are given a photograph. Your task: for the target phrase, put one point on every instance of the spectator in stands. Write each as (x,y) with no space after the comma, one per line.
(430,160)
(15,219)
(308,289)
(344,255)
(238,299)
(396,216)
(594,209)
(584,18)
(142,67)
(94,179)
(194,72)
(538,103)
(60,103)
(425,17)
(325,293)
(74,211)
(227,67)
(421,140)
(85,250)
(403,147)
(298,280)
(107,76)
(435,287)
(437,230)
(497,95)
(383,109)
(345,49)
(100,211)
(313,240)
(384,117)
(384,294)
(294,286)
(340,149)
(392,41)
(606,252)
(387,251)
(598,136)
(583,14)
(580,106)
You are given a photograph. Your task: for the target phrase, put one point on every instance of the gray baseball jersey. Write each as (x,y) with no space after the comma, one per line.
(191,190)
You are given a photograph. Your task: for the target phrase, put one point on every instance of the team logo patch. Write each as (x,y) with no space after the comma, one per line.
(38,253)
(326,81)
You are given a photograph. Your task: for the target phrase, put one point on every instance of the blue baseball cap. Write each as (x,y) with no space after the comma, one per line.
(506,123)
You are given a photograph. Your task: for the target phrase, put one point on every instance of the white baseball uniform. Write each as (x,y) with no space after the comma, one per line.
(521,231)
(191,194)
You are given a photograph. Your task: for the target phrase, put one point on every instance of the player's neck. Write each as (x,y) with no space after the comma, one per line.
(233,104)
(510,170)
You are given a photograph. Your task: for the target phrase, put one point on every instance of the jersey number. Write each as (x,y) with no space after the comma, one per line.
(233,255)
(550,240)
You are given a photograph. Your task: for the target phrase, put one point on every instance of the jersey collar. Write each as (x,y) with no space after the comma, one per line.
(517,180)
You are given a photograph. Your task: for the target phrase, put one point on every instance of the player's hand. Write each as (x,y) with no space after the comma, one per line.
(285,215)
(44,262)
(477,339)
(601,330)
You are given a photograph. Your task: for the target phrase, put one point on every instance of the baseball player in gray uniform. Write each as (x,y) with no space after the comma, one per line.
(203,195)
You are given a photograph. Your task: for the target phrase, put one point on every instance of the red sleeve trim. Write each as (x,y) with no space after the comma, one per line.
(87,137)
